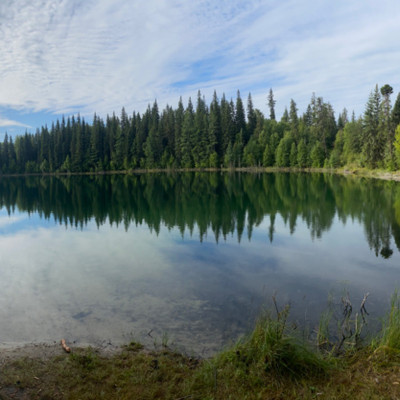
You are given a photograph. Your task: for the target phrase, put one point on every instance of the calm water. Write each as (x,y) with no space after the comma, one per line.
(191,257)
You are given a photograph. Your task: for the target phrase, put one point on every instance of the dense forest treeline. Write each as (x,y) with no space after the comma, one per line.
(221,134)
(224,204)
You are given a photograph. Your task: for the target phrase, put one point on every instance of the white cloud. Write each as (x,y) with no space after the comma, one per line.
(87,56)
(10,122)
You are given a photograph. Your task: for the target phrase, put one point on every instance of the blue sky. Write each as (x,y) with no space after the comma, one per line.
(60,57)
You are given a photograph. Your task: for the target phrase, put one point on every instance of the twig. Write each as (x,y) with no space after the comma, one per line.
(149,333)
(362,307)
(276,306)
(347,306)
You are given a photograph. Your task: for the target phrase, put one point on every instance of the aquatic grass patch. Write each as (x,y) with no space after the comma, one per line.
(273,348)
(389,341)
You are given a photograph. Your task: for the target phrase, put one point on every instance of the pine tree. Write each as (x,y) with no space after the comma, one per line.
(4,155)
(317,155)
(302,154)
(238,149)
(240,120)
(199,140)
(282,156)
(214,130)
(227,123)
(285,116)
(352,141)
(271,105)
(186,136)
(396,112)
(372,140)
(179,116)
(397,144)
(293,155)
(251,117)
(386,129)
(293,119)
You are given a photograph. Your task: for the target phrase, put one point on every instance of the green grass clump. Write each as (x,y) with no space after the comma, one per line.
(390,338)
(273,349)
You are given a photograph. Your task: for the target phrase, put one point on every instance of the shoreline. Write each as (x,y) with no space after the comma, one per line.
(344,171)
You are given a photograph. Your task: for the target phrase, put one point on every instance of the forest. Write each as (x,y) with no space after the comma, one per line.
(223,134)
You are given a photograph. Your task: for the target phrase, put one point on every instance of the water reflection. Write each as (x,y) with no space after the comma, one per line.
(224,203)
(193,255)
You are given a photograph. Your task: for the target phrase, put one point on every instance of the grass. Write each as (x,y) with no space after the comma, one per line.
(389,342)
(272,362)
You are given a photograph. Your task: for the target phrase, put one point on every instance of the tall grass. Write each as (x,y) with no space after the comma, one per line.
(390,338)
(272,349)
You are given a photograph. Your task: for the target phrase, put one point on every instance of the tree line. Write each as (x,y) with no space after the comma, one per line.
(224,133)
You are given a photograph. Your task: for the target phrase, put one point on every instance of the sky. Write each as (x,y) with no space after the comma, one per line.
(63,57)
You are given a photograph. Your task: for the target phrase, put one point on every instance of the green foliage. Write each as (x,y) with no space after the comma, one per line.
(283,151)
(252,153)
(302,155)
(317,155)
(211,136)
(271,350)
(390,341)
(397,144)
(352,141)
(372,139)
(293,155)
(396,112)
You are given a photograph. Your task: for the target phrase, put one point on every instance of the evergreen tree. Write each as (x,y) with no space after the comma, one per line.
(5,157)
(186,136)
(251,117)
(342,119)
(240,120)
(386,130)
(285,116)
(317,155)
(372,140)
(293,119)
(396,112)
(215,129)
(95,145)
(271,105)
(179,116)
(227,124)
(252,153)
(352,141)
(302,154)
(199,143)
(397,144)
(293,155)
(238,149)
(283,150)
(229,157)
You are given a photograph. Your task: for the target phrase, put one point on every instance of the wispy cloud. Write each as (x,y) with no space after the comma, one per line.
(65,56)
(4,122)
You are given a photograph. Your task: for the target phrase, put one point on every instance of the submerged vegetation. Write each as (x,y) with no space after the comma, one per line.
(222,134)
(275,361)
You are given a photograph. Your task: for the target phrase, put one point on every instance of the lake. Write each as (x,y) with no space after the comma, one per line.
(189,258)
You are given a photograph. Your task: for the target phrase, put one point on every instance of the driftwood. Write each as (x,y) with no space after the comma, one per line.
(64,346)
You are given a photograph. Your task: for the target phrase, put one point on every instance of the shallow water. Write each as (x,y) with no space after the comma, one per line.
(189,258)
